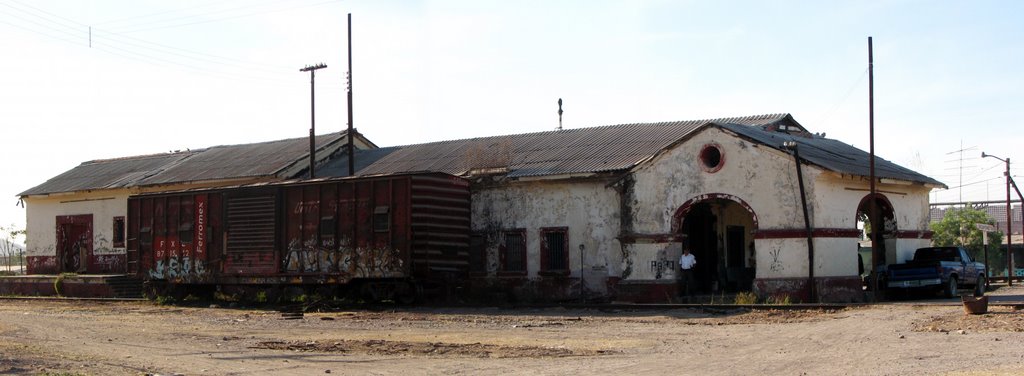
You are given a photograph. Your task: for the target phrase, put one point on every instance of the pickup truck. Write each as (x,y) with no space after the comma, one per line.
(938,268)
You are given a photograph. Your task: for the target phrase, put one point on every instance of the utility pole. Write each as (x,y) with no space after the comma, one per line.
(351,128)
(876,223)
(1009,220)
(312,115)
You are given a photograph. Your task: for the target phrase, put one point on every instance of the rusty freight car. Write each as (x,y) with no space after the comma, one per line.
(385,237)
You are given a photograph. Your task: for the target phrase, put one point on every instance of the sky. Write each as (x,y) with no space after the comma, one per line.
(82,80)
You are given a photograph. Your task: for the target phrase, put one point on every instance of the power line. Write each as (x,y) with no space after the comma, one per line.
(224,18)
(119,45)
(148,15)
(113,35)
(828,114)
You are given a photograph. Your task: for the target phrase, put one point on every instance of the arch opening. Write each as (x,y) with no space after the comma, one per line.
(884,222)
(720,231)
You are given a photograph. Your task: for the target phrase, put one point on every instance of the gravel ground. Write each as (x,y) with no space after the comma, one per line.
(97,338)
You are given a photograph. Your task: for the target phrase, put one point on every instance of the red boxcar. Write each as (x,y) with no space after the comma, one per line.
(384,234)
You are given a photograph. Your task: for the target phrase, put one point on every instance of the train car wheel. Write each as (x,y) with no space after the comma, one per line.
(406,293)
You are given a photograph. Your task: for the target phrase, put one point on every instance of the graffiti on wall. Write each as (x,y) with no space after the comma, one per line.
(314,256)
(776,265)
(308,257)
(175,267)
(627,261)
(102,246)
(176,260)
(41,264)
(109,263)
(659,267)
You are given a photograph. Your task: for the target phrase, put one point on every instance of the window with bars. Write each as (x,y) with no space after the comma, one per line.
(513,251)
(554,249)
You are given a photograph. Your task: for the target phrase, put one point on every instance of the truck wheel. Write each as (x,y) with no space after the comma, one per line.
(951,288)
(979,288)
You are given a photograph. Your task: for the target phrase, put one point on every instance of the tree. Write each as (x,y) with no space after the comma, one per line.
(8,243)
(957,229)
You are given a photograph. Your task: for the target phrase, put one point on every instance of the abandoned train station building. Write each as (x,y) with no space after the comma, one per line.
(593,214)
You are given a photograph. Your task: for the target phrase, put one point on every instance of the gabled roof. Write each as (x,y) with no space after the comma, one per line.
(570,151)
(265,159)
(613,148)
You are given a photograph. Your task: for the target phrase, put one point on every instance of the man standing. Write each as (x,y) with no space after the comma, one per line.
(686,263)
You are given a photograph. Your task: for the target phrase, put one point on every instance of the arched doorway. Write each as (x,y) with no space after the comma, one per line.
(720,230)
(885,222)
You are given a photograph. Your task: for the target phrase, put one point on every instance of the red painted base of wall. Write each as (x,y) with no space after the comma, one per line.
(504,290)
(36,285)
(642,292)
(98,264)
(829,289)
(41,265)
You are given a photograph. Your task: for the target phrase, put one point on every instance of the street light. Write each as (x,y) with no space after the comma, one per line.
(1009,221)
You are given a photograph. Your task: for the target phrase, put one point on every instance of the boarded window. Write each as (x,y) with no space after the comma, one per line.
(513,251)
(118,232)
(554,249)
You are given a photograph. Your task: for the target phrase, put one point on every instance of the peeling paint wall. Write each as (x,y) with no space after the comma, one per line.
(765,179)
(41,237)
(840,195)
(754,175)
(590,210)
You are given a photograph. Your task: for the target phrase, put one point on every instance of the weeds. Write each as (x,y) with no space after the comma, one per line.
(164,300)
(779,299)
(746,298)
(59,282)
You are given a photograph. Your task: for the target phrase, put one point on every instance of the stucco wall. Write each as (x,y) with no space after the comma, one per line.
(762,177)
(838,196)
(765,179)
(41,238)
(589,209)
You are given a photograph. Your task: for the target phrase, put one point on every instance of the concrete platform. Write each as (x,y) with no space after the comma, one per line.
(72,285)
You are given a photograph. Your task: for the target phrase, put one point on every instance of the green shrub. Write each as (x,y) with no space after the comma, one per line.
(164,299)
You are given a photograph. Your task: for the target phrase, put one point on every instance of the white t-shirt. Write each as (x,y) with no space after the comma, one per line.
(687,261)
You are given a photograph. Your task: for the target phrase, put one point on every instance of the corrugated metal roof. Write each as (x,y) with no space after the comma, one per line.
(613,148)
(583,150)
(241,161)
(338,166)
(832,154)
(264,159)
(107,174)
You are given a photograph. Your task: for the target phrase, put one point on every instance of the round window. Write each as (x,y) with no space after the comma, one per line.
(711,158)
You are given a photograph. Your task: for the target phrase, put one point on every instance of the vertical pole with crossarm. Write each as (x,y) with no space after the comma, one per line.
(312,115)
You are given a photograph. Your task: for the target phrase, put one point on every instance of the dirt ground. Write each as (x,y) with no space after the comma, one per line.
(96,338)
